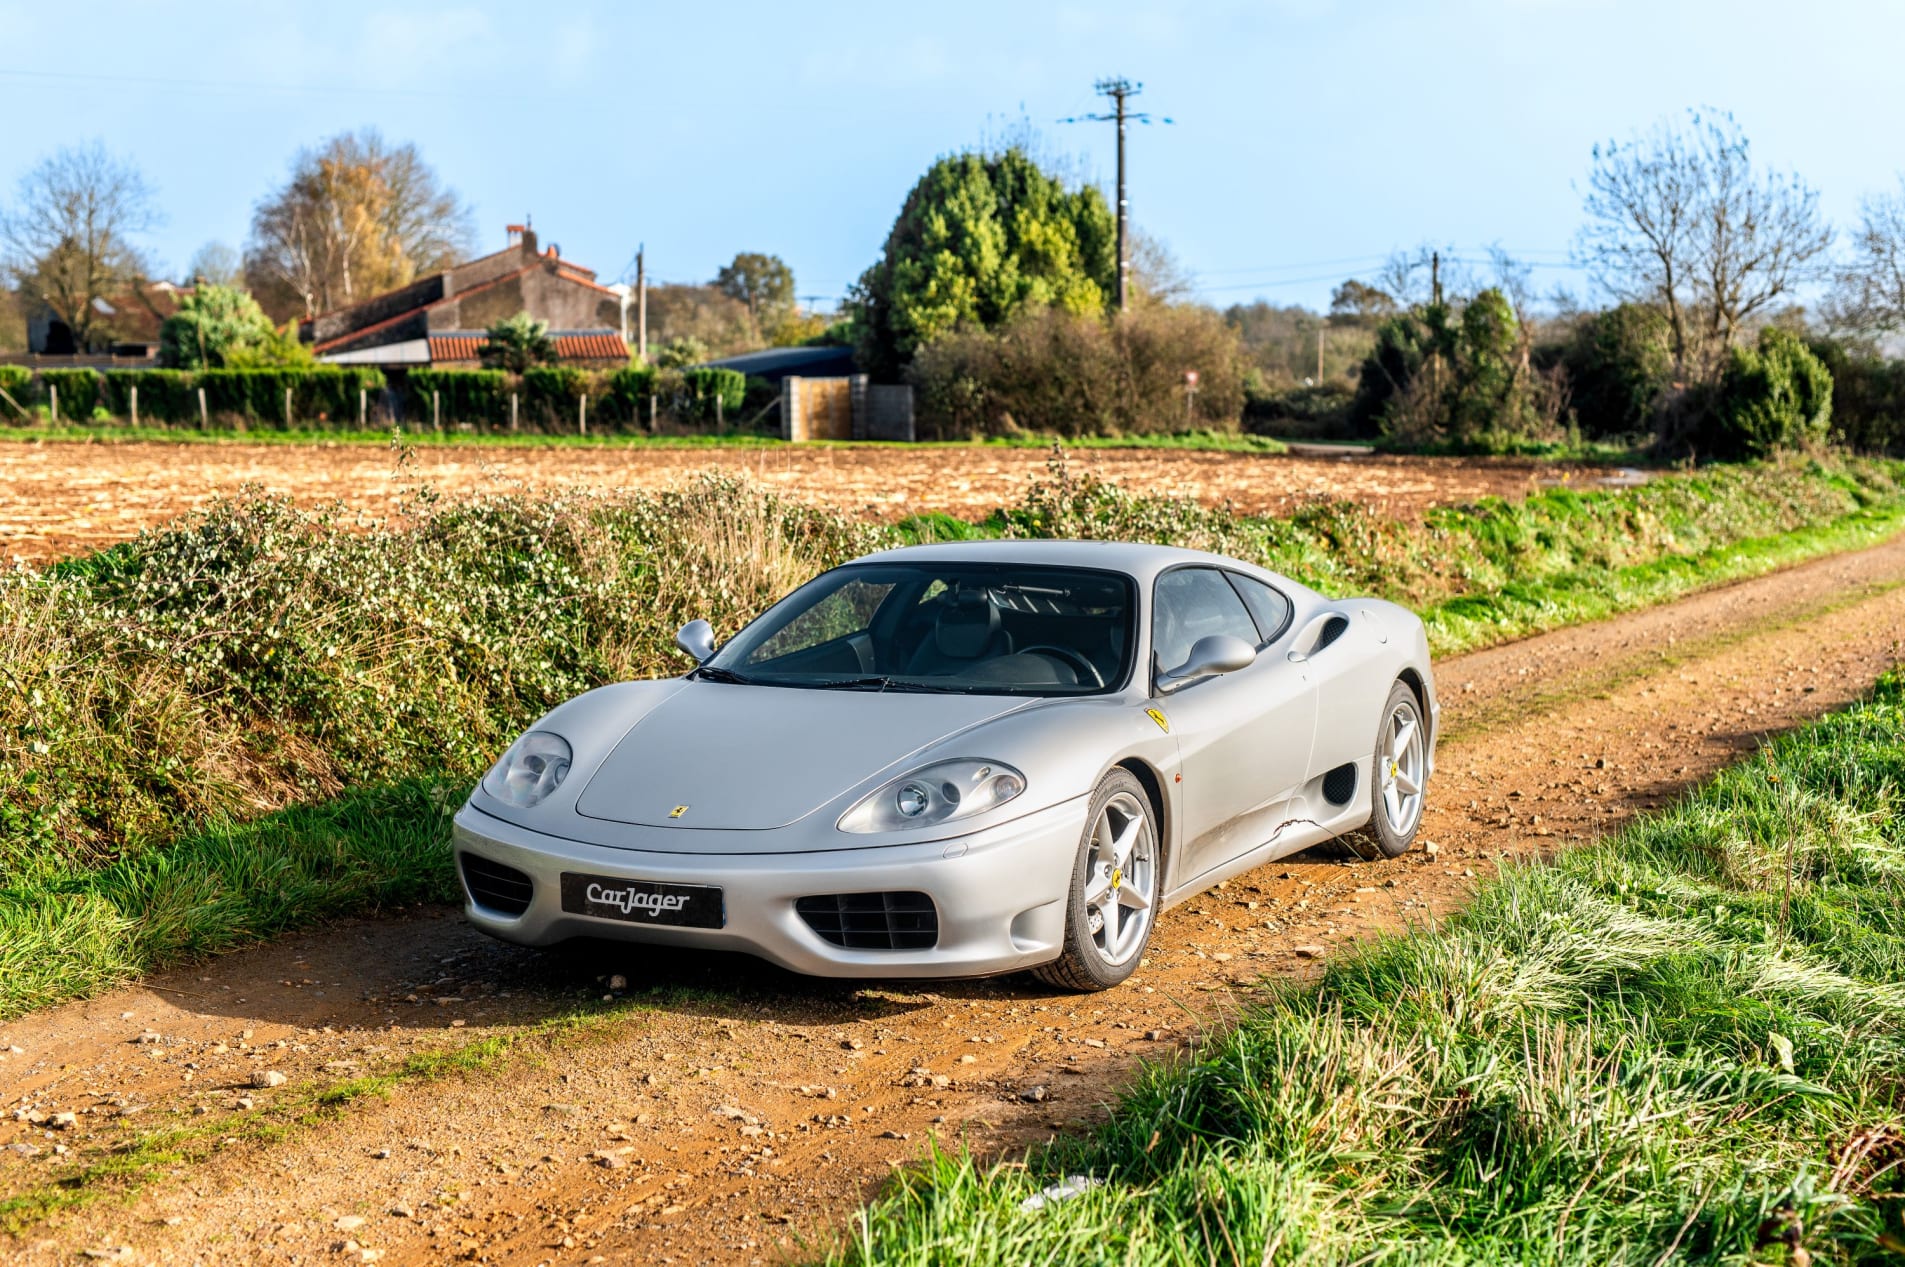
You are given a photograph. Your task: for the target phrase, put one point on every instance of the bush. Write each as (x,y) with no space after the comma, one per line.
(17,382)
(1318,412)
(1868,396)
(1620,367)
(1772,397)
(164,395)
(78,391)
(708,394)
(463,396)
(551,392)
(211,325)
(1066,374)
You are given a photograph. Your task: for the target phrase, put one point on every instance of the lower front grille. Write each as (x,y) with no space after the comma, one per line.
(872,921)
(496,887)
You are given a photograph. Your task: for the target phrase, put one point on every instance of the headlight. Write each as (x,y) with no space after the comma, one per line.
(534,766)
(935,794)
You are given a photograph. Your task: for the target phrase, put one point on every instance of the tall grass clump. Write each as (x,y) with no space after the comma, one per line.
(1686,1043)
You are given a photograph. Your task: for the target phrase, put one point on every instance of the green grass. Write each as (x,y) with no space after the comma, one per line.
(70,932)
(1686,1043)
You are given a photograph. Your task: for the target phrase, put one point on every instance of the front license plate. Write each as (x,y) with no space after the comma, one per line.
(643,901)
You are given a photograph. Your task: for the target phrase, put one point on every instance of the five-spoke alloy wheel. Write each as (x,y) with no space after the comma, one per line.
(1114,892)
(1399,773)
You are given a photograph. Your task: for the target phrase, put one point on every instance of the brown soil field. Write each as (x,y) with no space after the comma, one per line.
(60,498)
(724,1111)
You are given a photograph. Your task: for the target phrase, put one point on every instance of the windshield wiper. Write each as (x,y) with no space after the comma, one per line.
(884,684)
(715,673)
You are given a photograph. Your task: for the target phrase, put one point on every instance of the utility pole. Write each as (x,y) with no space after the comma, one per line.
(641,300)
(1120,90)
(1435,276)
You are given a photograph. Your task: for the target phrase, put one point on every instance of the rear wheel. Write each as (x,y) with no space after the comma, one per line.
(1399,777)
(1114,890)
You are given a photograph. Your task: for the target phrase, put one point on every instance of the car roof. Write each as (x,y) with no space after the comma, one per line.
(1133,558)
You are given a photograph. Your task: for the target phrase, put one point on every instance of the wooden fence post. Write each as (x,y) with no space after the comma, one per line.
(54,391)
(204,419)
(512,412)
(651,411)
(582,415)
(287,409)
(363,402)
(135,404)
(436,410)
(720,418)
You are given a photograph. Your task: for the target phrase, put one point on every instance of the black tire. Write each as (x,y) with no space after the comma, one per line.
(1082,966)
(1379,837)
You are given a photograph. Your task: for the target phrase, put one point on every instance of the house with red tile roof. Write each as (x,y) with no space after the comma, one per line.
(440,321)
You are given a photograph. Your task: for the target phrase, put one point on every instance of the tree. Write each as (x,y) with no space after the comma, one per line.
(516,343)
(218,264)
(763,282)
(1682,218)
(357,217)
(1620,366)
(1775,396)
(69,236)
(1870,294)
(1356,303)
(681,353)
(213,324)
(980,238)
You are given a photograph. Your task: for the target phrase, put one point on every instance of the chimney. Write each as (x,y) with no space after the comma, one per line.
(515,233)
(529,243)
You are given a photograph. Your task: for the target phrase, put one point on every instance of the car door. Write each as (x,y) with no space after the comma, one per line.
(1244,737)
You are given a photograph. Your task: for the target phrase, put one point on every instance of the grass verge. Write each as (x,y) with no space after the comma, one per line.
(1686,1043)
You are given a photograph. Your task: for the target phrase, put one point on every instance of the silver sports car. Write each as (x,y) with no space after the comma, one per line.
(953,760)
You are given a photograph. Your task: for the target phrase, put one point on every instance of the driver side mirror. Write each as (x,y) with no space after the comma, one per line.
(697,639)
(1210,656)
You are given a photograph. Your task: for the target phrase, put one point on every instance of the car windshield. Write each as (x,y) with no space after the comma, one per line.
(975,628)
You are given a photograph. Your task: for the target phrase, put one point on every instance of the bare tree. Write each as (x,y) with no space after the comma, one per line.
(1683,219)
(1414,279)
(1157,275)
(1870,291)
(69,237)
(357,217)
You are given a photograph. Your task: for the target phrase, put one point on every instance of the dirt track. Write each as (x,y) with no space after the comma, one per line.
(67,497)
(744,1110)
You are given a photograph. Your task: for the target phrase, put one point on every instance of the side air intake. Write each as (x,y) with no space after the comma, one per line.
(495,887)
(1340,784)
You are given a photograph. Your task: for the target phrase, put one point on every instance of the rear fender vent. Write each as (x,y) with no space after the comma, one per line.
(495,887)
(1340,784)
(1333,628)
(872,921)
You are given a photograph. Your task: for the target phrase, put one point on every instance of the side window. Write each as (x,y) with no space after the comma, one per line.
(1193,603)
(1268,608)
(848,610)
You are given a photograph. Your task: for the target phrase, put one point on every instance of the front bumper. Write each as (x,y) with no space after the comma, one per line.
(1001,894)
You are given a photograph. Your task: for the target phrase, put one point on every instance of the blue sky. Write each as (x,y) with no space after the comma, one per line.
(1311,137)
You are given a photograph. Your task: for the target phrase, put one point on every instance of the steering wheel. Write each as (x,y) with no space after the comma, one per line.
(1086,669)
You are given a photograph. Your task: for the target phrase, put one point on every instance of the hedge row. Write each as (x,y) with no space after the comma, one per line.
(549,396)
(546,397)
(323,394)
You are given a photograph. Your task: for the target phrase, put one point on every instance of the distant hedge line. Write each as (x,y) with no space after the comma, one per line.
(547,397)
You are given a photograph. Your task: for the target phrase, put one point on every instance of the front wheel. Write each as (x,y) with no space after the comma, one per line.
(1114,890)
(1399,776)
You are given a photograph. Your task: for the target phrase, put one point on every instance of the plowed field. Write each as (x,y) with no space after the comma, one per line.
(64,498)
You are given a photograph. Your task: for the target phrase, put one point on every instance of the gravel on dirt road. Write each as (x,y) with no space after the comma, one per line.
(735,1113)
(65,497)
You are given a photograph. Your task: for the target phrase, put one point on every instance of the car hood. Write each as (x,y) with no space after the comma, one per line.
(749,758)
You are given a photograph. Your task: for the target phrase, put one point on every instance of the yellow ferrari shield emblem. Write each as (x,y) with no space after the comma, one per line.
(678,811)
(1164,723)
